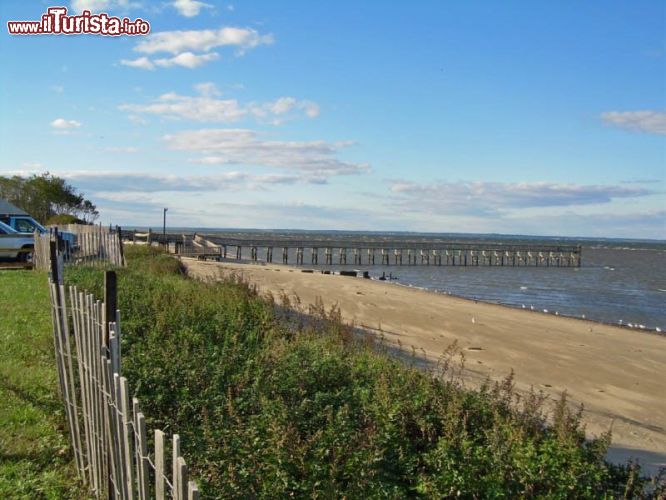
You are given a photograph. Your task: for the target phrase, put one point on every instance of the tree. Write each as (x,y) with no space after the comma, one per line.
(45,196)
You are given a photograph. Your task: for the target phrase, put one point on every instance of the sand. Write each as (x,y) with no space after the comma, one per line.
(619,375)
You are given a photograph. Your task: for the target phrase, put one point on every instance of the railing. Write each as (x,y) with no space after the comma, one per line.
(107,427)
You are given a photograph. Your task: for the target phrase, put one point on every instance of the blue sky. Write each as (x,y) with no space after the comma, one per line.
(513,117)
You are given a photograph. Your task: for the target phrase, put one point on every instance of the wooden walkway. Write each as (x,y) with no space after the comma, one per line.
(368,252)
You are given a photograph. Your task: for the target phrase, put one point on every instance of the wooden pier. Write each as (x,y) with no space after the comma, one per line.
(365,252)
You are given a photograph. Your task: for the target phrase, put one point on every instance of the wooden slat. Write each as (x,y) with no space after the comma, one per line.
(141,451)
(120,439)
(182,479)
(159,466)
(192,491)
(127,437)
(78,327)
(73,412)
(175,453)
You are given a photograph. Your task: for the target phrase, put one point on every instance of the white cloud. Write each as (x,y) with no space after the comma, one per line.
(189,8)
(91,5)
(59,89)
(208,108)
(315,161)
(191,49)
(122,149)
(283,105)
(186,60)
(140,62)
(62,124)
(207,89)
(204,109)
(124,183)
(98,6)
(653,122)
(177,42)
(477,198)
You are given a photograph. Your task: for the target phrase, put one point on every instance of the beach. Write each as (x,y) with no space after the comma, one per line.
(616,373)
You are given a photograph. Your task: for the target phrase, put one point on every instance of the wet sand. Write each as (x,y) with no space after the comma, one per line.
(619,375)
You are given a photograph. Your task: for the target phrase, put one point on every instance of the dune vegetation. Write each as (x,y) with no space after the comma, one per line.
(275,403)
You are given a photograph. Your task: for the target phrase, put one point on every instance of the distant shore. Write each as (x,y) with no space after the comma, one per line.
(615,372)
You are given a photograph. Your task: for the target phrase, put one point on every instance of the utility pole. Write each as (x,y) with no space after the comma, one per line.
(164,230)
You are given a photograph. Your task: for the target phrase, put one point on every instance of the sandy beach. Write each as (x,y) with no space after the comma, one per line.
(616,373)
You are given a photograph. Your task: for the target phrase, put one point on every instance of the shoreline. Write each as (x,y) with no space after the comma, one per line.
(615,374)
(653,331)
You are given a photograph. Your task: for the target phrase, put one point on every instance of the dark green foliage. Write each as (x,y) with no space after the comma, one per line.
(271,407)
(46,196)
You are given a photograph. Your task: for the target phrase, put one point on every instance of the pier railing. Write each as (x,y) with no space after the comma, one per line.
(367,252)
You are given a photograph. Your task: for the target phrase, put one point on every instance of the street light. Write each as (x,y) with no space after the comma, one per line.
(164,230)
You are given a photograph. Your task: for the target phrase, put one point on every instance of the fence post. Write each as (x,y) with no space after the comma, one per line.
(53,258)
(121,250)
(110,302)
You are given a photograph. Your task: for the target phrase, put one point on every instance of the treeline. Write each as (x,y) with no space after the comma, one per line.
(274,404)
(49,199)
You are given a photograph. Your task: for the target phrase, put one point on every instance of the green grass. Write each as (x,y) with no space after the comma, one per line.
(35,456)
(272,405)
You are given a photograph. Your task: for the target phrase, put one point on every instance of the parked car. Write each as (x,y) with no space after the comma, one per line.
(15,245)
(25,224)
(22,223)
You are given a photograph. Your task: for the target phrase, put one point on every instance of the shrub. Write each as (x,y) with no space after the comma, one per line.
(272,407)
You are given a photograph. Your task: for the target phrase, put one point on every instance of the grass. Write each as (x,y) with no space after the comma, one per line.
(35,456)
(272,405)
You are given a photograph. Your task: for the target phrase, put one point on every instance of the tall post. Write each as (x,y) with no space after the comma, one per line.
(110,302)
(164,229)
(53,257)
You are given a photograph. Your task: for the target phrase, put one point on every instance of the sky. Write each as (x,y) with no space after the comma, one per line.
(515,117)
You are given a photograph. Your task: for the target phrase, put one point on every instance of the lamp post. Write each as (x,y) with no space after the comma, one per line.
(166,247)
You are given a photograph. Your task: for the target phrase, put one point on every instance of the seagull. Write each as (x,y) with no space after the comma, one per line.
(557,313)
(630,325)
(531,308)
(642,327)
(546,311)
(658,330)
(523,305)
(473,320)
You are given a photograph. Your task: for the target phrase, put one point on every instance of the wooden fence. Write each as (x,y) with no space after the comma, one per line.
(106,426)
(81,244)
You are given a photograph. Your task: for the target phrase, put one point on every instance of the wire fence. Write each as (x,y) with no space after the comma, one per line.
(81,244)
(107,427)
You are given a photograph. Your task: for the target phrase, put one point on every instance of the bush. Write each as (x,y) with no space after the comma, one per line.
(271,407)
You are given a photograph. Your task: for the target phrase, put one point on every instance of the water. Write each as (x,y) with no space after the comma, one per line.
(612,286)
(620,281)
